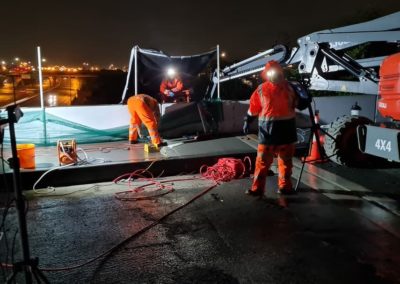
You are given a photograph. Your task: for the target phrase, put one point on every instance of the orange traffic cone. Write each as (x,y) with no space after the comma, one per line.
(315,155)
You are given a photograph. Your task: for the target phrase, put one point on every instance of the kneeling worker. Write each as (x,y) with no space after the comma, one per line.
(274,103)
(144,109)
(171,88)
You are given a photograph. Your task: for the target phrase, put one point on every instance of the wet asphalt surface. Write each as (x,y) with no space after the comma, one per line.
(223,237)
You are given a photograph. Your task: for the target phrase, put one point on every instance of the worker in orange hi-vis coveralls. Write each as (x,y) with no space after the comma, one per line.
(169,85)
(144,109)
(273,102)
(171,88)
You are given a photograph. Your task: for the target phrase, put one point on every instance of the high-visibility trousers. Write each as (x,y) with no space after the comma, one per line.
(141,113)
(265,157)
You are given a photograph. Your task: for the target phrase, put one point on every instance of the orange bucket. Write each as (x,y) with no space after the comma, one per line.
(26,155)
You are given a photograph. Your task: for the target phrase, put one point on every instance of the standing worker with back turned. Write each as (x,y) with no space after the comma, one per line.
(144,109)
(274,103)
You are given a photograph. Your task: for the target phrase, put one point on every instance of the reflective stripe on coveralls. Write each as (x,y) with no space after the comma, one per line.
(133,132)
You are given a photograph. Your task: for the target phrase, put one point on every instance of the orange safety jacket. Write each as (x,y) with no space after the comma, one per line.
(274,104)
(174,86)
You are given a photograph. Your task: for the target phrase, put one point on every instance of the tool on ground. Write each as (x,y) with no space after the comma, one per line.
(67,153)
(151,148)
(217,197)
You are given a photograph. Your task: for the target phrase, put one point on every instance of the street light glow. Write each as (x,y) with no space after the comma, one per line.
(223,54)
(16,58)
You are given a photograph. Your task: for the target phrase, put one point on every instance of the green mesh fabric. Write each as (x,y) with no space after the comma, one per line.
(32,129)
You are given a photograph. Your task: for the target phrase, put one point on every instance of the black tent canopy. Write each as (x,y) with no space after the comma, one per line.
(147,69)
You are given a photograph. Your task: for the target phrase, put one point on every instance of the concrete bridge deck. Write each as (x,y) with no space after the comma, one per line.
(342,227)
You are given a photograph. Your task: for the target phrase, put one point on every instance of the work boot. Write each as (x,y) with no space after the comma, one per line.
(258,193)
(162,144)
(133,142)
(286,191)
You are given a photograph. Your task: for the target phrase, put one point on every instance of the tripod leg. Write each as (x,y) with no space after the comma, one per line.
(36,276)
(12,277)
(39,275)
(327,134)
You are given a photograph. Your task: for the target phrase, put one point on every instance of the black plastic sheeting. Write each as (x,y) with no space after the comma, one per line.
(152,66)
(194,118)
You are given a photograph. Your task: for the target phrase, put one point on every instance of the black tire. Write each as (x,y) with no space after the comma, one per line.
(344,147)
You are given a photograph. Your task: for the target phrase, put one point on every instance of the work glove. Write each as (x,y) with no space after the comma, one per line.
(171,94)
(246,123)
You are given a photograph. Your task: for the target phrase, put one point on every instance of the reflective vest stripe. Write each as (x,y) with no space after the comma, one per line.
(262,99)
(272,118)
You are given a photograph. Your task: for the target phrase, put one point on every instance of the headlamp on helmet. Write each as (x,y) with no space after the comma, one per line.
(171,73)
(274,75)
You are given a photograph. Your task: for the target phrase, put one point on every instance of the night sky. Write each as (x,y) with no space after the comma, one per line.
(103,32)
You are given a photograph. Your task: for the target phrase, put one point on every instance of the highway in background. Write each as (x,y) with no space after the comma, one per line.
(58,91)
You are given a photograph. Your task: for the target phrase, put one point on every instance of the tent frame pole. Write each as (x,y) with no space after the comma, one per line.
(218,73)
(136,69)
(41,93)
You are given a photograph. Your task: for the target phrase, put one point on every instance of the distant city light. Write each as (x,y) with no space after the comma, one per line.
(24,66)
(112,67)
(52,100)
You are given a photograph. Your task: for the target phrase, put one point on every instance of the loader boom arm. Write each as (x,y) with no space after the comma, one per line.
(322,53)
